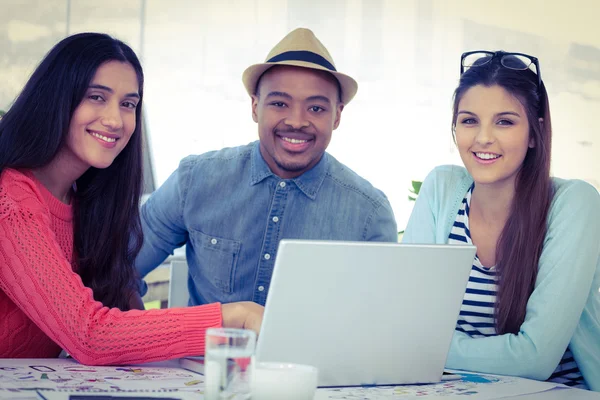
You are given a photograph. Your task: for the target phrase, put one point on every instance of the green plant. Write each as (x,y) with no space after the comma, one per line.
(413,193)
(2,112)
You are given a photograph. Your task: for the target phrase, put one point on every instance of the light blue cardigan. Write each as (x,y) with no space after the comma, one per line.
(564,308)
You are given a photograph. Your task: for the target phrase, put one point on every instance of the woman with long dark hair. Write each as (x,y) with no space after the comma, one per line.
(531,306)
(70,185)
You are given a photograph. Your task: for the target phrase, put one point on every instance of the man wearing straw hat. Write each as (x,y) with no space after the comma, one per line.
(232,207)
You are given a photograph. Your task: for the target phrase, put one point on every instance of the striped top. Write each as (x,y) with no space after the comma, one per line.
(476,317)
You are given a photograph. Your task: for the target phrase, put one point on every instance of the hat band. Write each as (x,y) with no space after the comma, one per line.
(302,55)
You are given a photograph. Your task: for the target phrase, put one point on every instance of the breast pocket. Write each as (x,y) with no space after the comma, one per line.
(217,258)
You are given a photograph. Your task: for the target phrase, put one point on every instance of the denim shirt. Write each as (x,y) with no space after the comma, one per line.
(231,211)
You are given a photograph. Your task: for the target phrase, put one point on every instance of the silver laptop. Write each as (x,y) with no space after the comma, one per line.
(364,313)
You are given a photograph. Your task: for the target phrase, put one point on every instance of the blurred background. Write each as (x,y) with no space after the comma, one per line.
(405,55)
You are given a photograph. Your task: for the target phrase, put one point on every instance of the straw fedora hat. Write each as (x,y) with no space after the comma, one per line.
(300,48)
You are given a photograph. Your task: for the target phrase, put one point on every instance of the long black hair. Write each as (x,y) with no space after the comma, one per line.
(521,241)
(107,227)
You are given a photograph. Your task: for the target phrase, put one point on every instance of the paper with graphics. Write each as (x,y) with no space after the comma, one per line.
(472,386)
(20,377)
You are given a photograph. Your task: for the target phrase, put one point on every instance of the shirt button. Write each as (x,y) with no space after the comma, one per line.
(213,241)
(267,256)
(261,288)
(282,184)
(275,219)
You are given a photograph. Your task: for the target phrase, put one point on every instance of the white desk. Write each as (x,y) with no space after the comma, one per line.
(561,394)
(18,373)
(553,394)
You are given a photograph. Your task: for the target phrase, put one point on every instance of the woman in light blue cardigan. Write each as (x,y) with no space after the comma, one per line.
(537,237)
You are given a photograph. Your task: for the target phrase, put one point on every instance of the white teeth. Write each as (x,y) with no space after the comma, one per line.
(102,137)
(487,156)
(295,141)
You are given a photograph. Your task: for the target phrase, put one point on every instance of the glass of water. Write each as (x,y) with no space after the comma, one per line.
(227,362)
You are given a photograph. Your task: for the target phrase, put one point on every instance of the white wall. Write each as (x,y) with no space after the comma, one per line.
(404,54)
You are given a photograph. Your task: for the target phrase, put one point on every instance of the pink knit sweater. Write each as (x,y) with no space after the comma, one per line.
(44,306)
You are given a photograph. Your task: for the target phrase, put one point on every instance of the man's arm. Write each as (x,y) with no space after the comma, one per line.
(162,222)
(382,225)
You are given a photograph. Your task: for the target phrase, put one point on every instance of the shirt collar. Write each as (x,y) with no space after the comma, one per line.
(309,182)
(259,170)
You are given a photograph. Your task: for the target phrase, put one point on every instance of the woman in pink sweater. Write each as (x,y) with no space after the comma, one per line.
(70,184)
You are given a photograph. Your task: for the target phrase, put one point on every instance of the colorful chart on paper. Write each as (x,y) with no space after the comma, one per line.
(473,386)
(22,376)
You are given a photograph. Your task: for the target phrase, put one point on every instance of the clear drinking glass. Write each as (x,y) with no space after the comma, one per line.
(227,360)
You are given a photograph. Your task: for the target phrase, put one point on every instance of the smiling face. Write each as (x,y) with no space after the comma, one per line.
(104,121)
(492,134)
(297,110)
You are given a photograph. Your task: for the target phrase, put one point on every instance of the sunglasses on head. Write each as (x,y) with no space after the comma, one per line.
(516,61)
